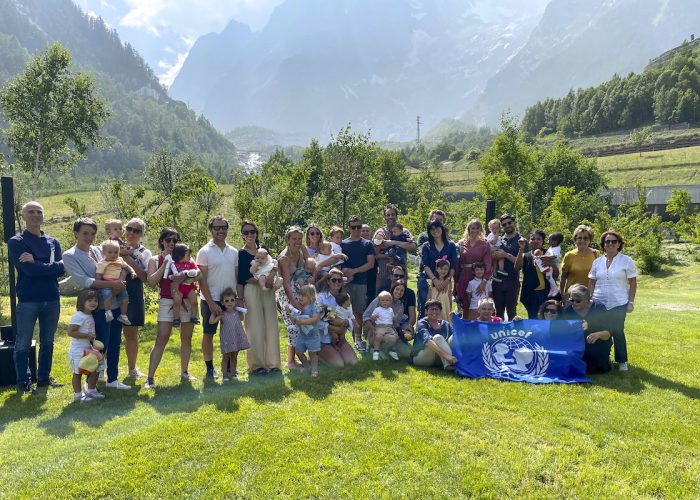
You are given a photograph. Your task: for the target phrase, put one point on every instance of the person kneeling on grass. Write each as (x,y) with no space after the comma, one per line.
(308,321)
(81,330)
(431,344)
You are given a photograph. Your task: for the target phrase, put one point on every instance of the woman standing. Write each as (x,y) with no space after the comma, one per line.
(472,248)
(290,265)
(613,280)
(438,246)
(339,354)
(80,262)
(261,317)
(167,240)
(137,256)
(535,288)
(577,262)
(314,238)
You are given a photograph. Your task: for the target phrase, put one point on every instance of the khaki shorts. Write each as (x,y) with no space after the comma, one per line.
(165,312)
(358,297)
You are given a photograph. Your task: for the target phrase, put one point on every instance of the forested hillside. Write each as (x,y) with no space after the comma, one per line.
(143,119)
(668,93)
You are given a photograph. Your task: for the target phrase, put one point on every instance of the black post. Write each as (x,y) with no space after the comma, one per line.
(490,210)
(8,222)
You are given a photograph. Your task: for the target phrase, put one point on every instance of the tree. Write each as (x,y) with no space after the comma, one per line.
(640,137)
(680,206)
(54,113)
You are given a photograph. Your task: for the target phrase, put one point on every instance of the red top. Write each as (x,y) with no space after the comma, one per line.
(164,284)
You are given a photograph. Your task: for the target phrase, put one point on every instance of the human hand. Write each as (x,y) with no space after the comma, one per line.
(517,318)
(26,257)
(374,316)
(593,337)
(91,336)
(630,307)
(499,254)
(442,285)
(521,243)
(452,360)
(117,286)
(214,308)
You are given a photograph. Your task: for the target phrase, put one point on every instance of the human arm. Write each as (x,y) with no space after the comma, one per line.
(155,272)
(25,263)
(73,331)
(443,354)
(204,289)
(363,268)
(518,264)
(283,268)
(311,320)
(136,268)
(632,292)
(75,270)
(591,338)
(214,318)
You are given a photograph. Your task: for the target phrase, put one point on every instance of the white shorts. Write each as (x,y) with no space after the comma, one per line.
(74,357)
(165,312)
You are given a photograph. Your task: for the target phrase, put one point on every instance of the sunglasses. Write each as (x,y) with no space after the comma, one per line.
(246,232)
(398,275)
(219,228)
(314,233)
(575,301)
(356,227)
(611,242)
(135,230)
(171,240)
(336,280)
(551,311)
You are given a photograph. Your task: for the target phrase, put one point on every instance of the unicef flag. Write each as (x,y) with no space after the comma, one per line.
(535,351)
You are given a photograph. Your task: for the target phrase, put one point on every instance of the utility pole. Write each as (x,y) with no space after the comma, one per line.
(418,124)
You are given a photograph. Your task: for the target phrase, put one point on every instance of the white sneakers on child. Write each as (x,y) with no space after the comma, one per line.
(108,315)
(375,356)
(124,319)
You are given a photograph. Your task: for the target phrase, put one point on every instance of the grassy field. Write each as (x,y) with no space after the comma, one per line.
(673,166)
(381,429)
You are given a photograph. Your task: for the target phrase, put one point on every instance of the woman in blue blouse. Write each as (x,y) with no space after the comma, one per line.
(431,344)
(438,245)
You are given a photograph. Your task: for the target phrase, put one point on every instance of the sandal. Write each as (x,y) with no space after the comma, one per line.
(314,374)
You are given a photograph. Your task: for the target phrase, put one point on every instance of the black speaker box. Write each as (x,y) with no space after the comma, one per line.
(7,363)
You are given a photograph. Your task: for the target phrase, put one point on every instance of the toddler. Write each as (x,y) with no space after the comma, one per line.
(232,337)
(555,240)
(495,241)
(264,265)
(309,338)
(81,330)
(325,252)
(115,230)
(336,236)
(113,268)
(396,253)
(305,276)
(442,266)
(183,273)
(473,295)
(343,311)
(383,317)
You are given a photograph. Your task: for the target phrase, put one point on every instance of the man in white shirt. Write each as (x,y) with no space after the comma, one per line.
(218,262)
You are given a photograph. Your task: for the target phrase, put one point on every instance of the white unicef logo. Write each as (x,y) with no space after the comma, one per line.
(516,356)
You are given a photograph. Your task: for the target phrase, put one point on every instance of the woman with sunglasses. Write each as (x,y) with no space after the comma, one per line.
(577,263)
(137,256)
(613,282)
(437,247)
(595,328)
(291,260)
(167,240)
(550,310)
(314,238)
(261,318)
(341,353)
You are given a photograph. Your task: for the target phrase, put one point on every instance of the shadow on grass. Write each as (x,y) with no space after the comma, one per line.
(17,407)
(637,379)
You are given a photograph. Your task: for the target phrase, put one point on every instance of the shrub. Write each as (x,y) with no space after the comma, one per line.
(647,250)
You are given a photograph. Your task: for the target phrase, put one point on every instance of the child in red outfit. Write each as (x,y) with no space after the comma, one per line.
(183,273)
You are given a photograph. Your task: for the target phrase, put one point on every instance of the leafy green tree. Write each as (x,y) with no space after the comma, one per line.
(123,200)
(640,137)
(680,206)
(54,113)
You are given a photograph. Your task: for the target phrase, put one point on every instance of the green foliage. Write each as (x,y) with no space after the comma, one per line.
(54,113)
(426,189)
(640,137)
(78,209)
(124,200)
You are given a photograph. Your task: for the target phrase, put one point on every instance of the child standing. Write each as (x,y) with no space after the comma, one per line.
(264,265)
(232,337)
(495,241)
(81,330)
(113,268)
(309,338)
(383,317)
(183,274)
(442,266)
(474,297)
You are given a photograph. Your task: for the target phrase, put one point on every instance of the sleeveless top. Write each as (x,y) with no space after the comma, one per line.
(164,284)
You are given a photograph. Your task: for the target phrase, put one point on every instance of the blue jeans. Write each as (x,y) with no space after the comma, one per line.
(422,287)
(27,315)
(110,334)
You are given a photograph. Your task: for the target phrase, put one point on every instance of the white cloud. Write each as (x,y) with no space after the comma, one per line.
(171,70)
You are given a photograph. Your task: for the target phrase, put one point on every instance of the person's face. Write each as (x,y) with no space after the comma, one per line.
(261,258)
(578,304)
(337,237)
(611,244)
(395,231)
(115,232)
(110,253)
(335,282)
(306,300)
(550,312)
(294,240)
(33,215)
(479,272)
(398,292)
(552,242)
(508,226)
(91,304)
(325,250)
(169,243)
(366,232)
(397,274)
(355,228)
(486,312)
(439,218)
(346,304)
(229,302)
(133,234)
(219,230)
(443,271)
(495,228)
(85,235)
(474,230)
(390,217)
(310,266)
(433,313)
(314,236)
(385,301)
(249,233)
(436,232)
(582,240)
(535,242)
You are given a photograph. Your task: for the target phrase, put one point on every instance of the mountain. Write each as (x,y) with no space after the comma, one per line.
(582,43)
(144,118)
(318,64)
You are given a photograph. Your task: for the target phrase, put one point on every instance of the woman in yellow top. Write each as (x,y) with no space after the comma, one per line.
(577,263)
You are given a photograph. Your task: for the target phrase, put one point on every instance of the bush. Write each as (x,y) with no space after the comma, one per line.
(647,250)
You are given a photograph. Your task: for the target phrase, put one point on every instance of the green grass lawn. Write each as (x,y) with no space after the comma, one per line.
(381,429)
(673,166)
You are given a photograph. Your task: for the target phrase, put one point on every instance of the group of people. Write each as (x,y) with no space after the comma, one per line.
(351,286)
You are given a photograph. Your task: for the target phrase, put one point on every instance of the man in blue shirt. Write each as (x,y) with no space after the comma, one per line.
(39,264)
(505,293)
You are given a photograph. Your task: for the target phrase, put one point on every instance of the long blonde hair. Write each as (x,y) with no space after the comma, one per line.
(474,222)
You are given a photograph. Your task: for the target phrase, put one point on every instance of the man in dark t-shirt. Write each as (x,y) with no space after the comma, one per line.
(360,254)
(505,293)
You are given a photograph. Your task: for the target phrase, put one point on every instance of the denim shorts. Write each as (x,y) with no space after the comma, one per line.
(122,296)
(311,343)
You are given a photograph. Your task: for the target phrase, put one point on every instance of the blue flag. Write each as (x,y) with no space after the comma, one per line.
(535,351)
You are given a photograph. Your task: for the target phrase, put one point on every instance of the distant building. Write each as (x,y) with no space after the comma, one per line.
(657,197)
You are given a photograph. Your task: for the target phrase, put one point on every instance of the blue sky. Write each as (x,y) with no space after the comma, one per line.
(163,31)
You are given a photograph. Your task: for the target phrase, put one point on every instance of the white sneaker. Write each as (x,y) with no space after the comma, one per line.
(375,356)
(136,373)
(394,355)
(95,394)
(108,315)
(623,367)
(87,398)
(124,320)
(188,376)
(117,384)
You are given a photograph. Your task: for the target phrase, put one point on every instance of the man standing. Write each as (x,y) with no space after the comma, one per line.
(360,254)
(505,293)
(39,262)
(218,262)
(384,233)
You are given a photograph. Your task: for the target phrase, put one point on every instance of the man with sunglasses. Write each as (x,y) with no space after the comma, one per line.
(218,262)
(505,293)
(360,254)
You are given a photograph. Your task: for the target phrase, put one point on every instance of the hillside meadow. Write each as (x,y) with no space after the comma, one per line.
(380,429)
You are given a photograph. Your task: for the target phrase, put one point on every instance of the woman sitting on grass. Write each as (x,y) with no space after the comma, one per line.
(431,346)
